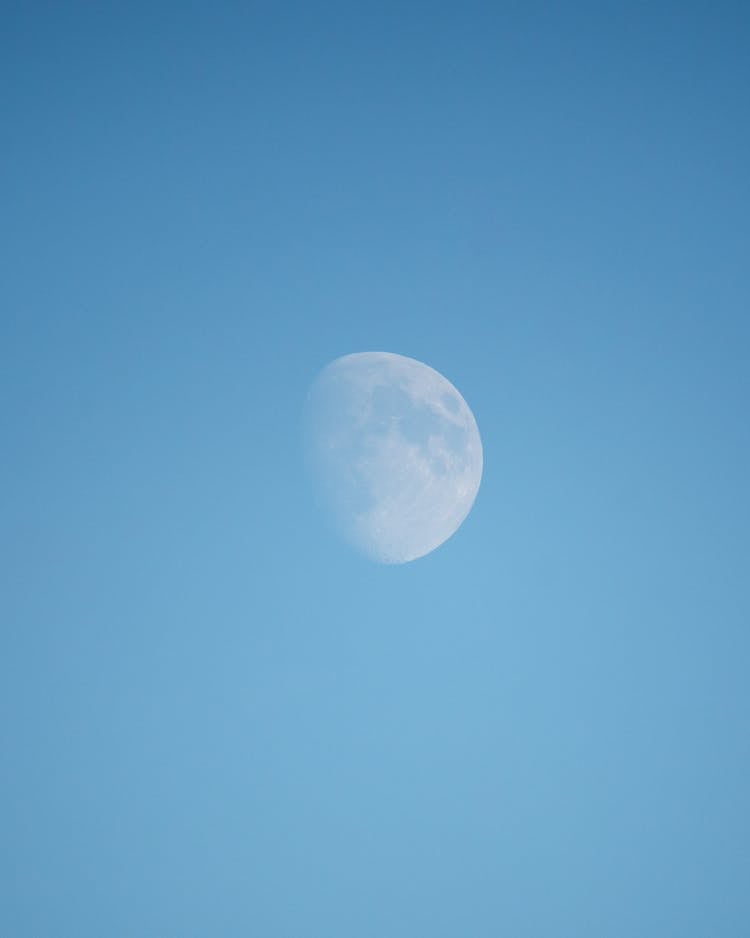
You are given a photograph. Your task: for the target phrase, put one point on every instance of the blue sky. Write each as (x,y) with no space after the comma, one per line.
(214,718)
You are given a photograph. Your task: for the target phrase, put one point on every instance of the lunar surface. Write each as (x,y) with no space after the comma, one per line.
(395,453)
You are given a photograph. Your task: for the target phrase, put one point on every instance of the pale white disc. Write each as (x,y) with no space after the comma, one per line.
(395,451)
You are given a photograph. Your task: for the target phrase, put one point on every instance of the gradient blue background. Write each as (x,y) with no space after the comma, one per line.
(217,721)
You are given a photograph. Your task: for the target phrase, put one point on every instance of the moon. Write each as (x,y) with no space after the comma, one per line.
(395,454)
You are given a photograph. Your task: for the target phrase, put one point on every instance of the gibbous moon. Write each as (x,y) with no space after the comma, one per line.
(395,452)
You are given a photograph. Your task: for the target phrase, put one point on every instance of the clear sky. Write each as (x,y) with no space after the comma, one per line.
(215,719)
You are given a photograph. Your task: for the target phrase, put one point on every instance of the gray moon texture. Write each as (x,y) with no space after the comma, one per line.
(395,454)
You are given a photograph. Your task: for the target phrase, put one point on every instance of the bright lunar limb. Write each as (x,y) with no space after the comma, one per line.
(395,452)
